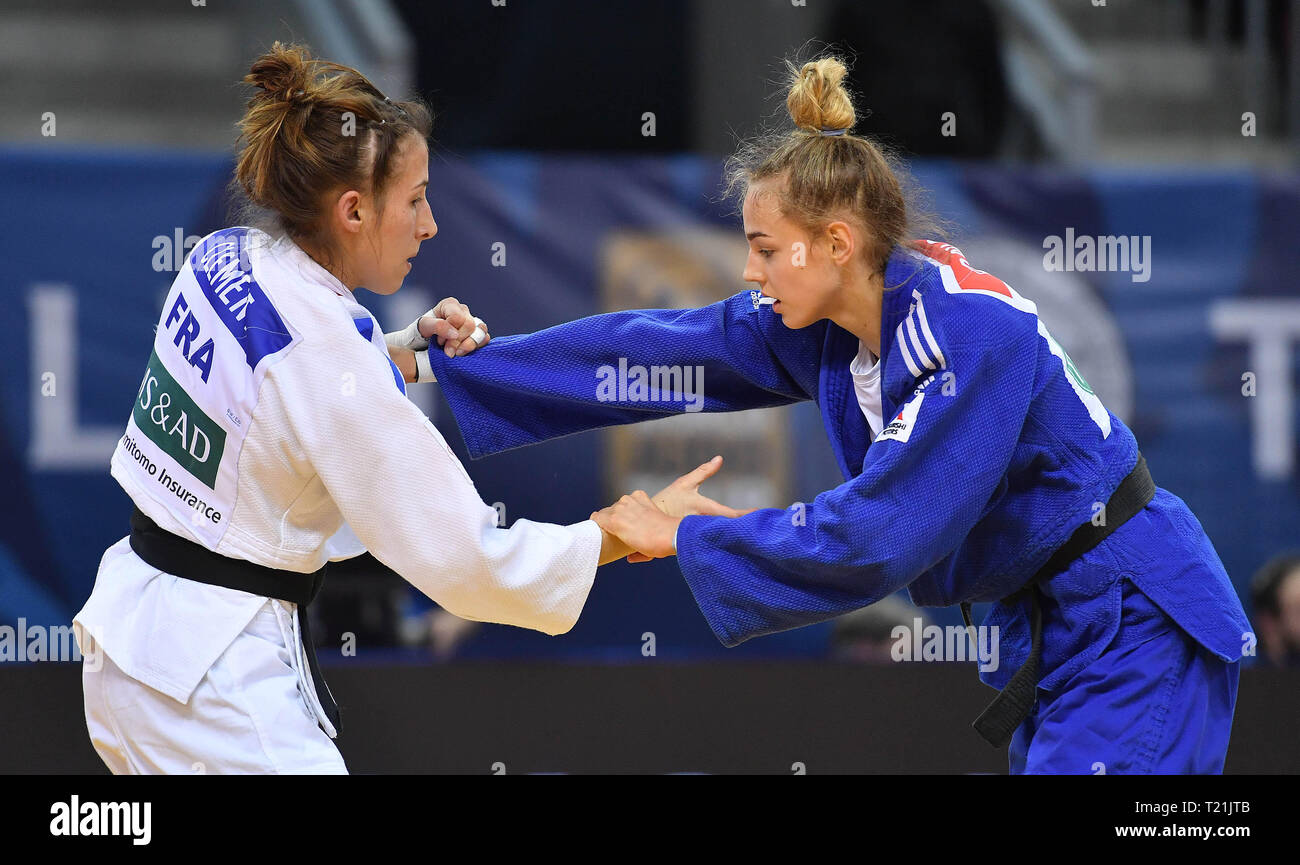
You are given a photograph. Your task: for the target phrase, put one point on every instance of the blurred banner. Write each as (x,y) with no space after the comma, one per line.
(1174,292)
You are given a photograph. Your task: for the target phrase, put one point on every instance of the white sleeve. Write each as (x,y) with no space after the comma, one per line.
(409,500)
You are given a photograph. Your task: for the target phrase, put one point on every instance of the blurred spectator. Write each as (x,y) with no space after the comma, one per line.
(359,606)
(441,632)
(365,605)
(867,635)
(1275,592)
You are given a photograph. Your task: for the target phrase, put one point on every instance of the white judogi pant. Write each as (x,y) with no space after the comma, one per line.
(248,714)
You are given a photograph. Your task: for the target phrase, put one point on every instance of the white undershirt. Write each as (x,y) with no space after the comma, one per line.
(865,369)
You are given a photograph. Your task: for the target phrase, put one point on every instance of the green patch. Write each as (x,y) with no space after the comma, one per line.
(1070,369)
(165,413)
(1074,373)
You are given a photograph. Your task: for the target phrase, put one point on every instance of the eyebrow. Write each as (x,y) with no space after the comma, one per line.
(424,182)
(751,235)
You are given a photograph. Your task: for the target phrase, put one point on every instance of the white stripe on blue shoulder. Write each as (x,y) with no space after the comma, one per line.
(929,335)
(1096,410)
(901,339)
(917,348)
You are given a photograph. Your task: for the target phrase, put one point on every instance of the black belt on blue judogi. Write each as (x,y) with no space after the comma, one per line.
(175,555)
(1013,703)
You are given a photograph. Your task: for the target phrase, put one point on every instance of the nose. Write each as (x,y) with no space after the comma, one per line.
(751,273)
(427,228)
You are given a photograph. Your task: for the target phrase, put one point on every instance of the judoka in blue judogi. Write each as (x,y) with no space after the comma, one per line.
(994,451)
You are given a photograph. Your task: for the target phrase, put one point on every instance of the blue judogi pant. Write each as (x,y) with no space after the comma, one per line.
(1154,702)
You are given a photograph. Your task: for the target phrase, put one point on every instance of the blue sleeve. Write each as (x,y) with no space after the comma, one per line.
(926,480)
(624,367)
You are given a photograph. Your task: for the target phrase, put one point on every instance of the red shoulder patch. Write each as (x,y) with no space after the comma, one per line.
(967,276)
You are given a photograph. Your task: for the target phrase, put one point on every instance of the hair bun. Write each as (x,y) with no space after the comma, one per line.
(818,99)
(298,142)
(285,72)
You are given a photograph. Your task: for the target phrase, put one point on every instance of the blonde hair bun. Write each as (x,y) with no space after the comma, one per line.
(818,99)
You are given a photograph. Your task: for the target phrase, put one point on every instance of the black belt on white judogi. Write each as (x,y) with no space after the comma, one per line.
(1013,703)
(175,555)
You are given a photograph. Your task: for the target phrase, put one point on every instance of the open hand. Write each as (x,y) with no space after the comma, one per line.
(649,525)
(683,497)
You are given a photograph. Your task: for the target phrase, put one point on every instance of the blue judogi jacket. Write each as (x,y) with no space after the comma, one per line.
(994,451)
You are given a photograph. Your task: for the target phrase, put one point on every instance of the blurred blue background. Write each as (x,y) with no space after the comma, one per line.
(1172,123)
(82,249)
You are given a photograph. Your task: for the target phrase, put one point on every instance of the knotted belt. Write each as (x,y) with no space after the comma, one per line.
(174,555)
(1013,703)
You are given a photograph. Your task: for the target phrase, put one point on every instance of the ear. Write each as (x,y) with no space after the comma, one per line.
(840,238)
(348,211)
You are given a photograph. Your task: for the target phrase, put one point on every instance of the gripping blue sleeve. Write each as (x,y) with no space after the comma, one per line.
(923,487)
(728,356)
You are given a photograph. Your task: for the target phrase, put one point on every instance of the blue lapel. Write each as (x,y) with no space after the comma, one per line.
(903,275)
(366,327)
(845,425)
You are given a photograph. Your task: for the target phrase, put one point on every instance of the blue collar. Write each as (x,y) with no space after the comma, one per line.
(841,415)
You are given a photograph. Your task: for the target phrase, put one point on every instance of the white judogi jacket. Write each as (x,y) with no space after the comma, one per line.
(269,415)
